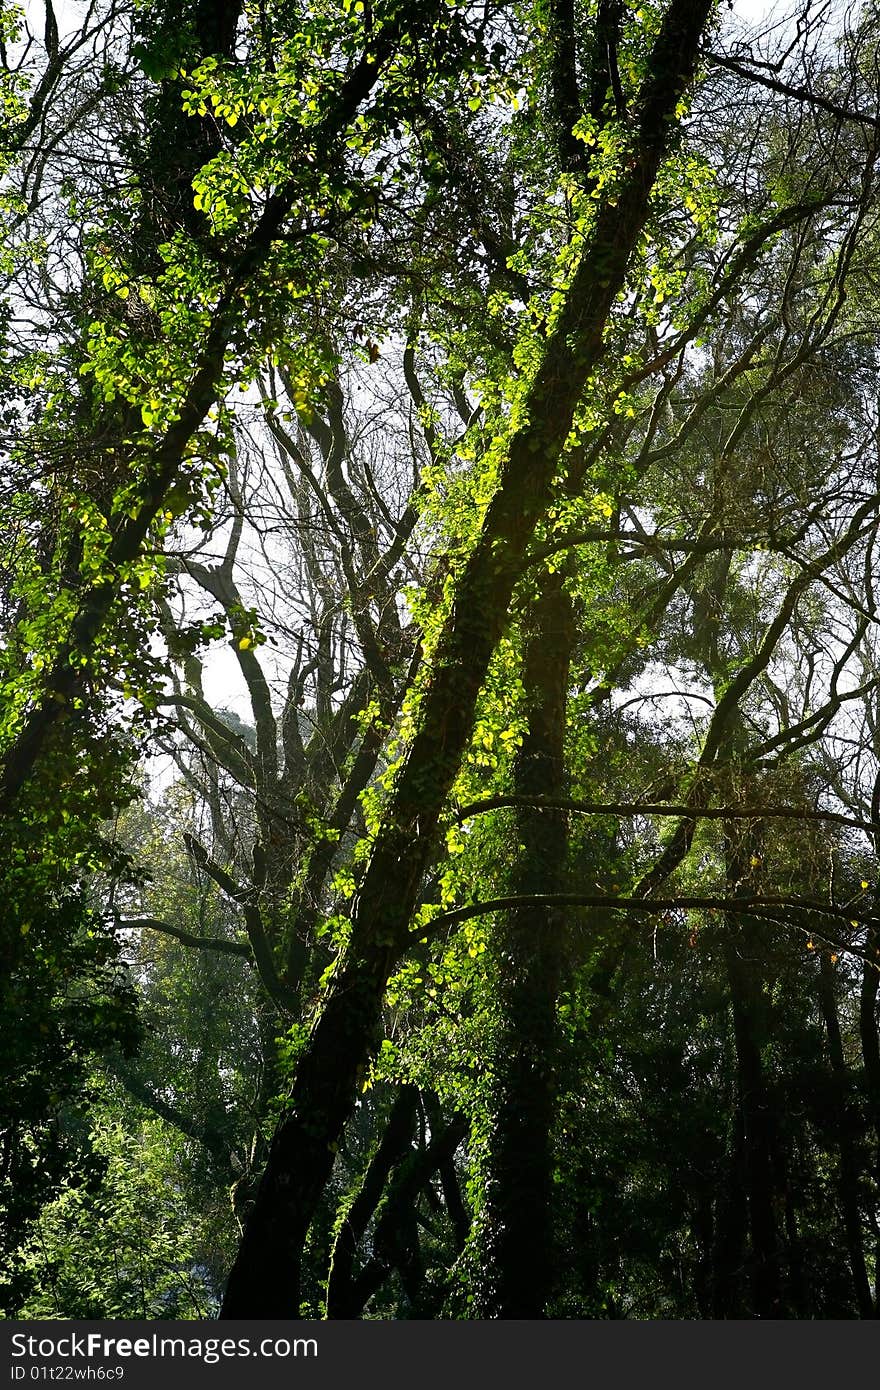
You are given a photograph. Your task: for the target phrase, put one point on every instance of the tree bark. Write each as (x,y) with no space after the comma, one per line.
(528,957)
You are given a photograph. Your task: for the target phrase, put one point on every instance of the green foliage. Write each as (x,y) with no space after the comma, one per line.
(125,1243)
(65,998)
(355,227)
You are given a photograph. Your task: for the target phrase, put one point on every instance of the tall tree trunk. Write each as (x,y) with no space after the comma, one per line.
(265,1278)
(528,952)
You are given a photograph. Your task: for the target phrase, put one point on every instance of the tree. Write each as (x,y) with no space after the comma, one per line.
(299,1163)
(486,392)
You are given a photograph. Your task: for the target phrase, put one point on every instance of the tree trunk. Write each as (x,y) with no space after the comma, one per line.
(344,1299)
(528,953)
(265,1278)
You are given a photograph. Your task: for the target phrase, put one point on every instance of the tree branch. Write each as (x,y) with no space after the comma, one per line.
(765,906)
(247,899)
(202,943)
(640,808)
